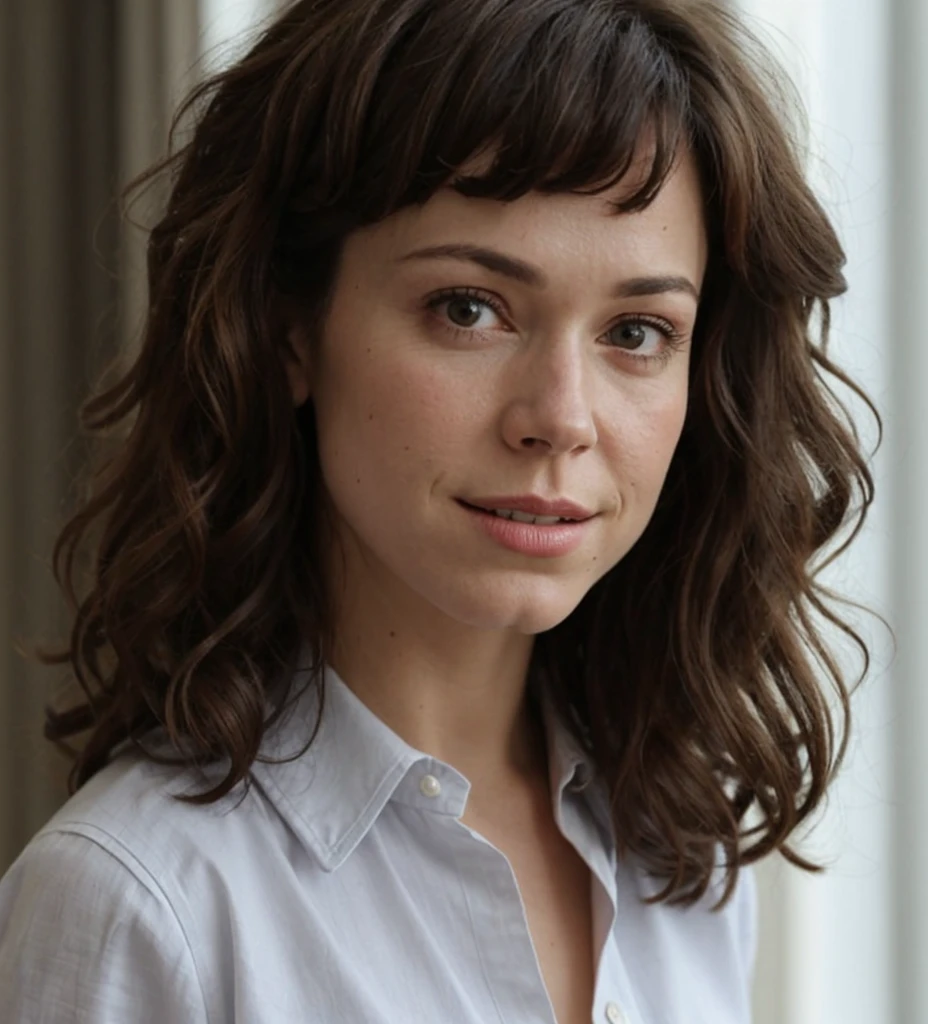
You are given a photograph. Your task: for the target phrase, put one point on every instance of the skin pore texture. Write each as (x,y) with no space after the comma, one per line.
(550,394)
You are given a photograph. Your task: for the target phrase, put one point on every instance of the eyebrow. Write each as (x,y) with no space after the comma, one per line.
(528,273)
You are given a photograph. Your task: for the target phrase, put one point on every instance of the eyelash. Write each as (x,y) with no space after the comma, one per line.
(673,338)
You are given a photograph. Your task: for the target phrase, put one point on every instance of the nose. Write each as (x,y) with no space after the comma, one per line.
(551,406)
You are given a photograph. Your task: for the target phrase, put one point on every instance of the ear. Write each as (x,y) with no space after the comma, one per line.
(290,327)
(295,345)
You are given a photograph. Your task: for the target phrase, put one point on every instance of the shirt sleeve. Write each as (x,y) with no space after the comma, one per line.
(86,939)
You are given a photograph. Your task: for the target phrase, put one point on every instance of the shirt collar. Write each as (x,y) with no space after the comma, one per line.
(334,791)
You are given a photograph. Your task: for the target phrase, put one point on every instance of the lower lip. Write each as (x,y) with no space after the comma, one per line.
(531,538)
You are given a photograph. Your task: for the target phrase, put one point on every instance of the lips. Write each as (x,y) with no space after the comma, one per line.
(532,505)
(526,517)
(535,540)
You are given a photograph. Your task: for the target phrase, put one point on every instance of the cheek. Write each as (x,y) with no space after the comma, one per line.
(387,427)
(668,423)
(644,443)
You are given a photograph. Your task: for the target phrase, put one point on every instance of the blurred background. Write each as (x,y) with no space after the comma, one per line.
(86,91)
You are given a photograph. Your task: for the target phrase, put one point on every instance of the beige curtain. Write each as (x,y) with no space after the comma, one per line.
(86,90)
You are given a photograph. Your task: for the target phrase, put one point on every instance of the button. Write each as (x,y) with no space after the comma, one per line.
(430,785)
(613,1014)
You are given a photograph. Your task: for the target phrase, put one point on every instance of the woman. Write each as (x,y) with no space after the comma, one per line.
(432,661)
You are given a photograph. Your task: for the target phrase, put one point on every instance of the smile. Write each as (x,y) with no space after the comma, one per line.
(537,536)
(524,517)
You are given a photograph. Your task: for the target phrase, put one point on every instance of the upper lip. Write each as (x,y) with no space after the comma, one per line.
(533,505)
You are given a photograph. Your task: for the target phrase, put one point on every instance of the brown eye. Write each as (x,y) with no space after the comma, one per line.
(465,312)
(633,335)
(459,311)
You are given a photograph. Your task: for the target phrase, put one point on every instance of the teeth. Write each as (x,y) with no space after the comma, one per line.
(524,517)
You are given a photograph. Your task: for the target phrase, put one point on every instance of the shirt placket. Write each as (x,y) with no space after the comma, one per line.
(613,995)
(501,932)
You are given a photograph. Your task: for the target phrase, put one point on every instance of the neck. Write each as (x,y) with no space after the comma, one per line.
(459,696)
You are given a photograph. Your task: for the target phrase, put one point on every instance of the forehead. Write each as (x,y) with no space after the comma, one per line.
(565,228)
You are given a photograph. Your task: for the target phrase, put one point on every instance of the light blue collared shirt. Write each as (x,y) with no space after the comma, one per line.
(342,889)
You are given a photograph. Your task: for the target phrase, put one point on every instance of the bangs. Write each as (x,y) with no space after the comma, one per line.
(566,96)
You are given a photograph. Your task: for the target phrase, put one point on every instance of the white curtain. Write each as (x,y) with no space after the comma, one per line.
(852,945)
(229,25)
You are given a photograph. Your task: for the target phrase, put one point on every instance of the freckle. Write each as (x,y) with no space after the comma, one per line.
(369,418)
(359,479)
(392,633)
(406,448)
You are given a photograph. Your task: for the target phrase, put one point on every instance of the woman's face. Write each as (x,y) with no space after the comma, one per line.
(553,363)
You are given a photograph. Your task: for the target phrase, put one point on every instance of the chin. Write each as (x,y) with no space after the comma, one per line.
(516,609)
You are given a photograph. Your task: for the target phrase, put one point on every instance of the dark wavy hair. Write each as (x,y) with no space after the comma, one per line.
(693,671)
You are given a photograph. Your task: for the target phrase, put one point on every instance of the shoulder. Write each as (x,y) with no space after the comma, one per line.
(86,932)
(132,809)
(115,892)
(190,856)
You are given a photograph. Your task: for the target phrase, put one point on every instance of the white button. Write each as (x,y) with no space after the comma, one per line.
(430,785)
(614,1014)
